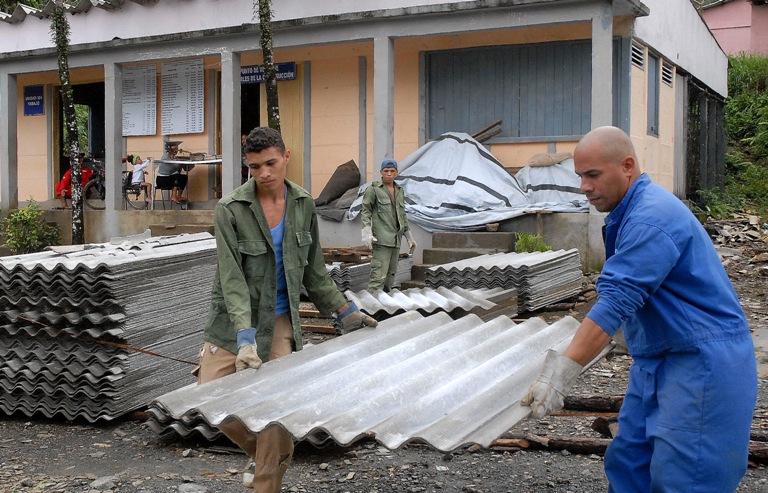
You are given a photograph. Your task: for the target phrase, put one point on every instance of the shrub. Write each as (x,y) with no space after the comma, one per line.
(717,203)
(27,231)
(527,242)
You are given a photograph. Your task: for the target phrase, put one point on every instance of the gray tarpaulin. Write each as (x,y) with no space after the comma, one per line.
(454,183)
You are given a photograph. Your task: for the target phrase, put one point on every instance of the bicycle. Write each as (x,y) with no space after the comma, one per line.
(95,191)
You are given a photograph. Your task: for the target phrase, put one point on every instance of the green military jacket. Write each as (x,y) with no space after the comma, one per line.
(245,287)
(379,214)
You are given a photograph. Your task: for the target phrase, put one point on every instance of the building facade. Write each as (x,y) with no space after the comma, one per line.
(362,81)
(740,26)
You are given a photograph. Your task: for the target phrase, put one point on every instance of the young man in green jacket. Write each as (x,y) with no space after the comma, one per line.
(384,224)
(268,247)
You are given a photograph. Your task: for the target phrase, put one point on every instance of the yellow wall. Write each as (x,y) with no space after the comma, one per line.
(335,117)
(291,100)
(335,111)
(655,153)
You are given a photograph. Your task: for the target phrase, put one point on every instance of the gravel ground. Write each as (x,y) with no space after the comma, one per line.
(40,455)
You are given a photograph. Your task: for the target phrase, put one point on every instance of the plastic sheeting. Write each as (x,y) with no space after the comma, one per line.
(453,183)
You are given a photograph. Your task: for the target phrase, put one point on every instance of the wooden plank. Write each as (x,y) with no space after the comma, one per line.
(322,329)
(311,314)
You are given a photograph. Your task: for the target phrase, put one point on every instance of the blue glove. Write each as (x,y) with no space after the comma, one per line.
(247,351)
(246,336)
(352,319)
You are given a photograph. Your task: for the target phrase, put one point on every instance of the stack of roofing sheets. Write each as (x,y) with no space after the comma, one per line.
(71,321)
(456,301)
(413,378)
(355,277)
(541,278)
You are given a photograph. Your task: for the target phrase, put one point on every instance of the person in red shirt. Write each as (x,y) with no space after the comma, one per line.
(64,187)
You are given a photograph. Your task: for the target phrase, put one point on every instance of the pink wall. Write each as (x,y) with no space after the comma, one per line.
(760,29)
(739,26)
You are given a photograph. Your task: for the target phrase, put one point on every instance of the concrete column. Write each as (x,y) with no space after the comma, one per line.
(602,66)
(230,121)
(9,158)
(307,164)
(362,65)
(383,98)
(113,137)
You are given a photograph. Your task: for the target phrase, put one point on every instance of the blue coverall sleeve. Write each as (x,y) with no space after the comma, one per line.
(645,254)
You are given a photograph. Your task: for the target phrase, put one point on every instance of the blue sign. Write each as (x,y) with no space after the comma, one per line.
(34,100)
(254,74)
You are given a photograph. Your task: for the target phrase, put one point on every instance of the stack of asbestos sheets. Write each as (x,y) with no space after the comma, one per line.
(355,277)
(541,278)
(96,331)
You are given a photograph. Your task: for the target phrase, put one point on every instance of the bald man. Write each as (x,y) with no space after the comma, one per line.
(685,420)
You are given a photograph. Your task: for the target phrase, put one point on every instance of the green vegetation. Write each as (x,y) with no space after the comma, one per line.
(8,6)
(527,242)
(27,231)
(746,126)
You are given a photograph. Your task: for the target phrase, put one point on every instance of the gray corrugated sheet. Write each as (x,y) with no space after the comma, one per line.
(424,300)
(413,378)
(541,278)
(355,277)
(57,309)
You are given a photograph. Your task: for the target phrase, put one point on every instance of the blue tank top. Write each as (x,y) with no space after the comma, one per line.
(282,305)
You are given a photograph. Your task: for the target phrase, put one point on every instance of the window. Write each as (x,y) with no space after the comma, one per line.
(537,90)
(653,94)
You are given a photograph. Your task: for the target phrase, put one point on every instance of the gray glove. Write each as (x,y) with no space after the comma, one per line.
(557,377)
(247,354)
(411,242)
(352,319)
(368,238)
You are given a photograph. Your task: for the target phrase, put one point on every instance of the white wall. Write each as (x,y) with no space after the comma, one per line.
(171,16)
(675,29)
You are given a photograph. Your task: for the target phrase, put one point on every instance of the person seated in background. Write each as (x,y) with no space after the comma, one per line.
(139,173)
(169,175)
(64,187)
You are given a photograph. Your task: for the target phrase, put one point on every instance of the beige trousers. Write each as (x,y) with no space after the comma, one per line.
(272,449)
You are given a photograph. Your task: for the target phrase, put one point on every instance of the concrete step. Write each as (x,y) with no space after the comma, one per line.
(412,284)
(418,271)
(436,256)
(177,229)
(501,241)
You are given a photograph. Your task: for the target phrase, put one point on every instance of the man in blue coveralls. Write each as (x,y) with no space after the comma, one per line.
(685,421)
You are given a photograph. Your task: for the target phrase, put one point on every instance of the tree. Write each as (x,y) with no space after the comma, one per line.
(9,7)
(270,74)
(60,33)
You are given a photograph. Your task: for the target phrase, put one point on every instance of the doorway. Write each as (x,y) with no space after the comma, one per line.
(250,105)
(89,109)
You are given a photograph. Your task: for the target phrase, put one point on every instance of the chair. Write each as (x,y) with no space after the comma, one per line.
(162,190)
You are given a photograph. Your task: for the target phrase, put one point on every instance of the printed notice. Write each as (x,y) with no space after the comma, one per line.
(139,100)
(34,100)
(183,97)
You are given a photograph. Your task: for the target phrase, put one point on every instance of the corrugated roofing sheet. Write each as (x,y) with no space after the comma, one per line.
(541,278)
(455,300)
(355,277)
(413,378)
(62,312)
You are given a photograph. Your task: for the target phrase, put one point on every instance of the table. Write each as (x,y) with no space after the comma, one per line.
(186,165)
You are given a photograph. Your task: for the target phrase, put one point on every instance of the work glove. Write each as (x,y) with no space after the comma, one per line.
(411,242)
(247,354)
(368,237)
(352,319)
(546,394)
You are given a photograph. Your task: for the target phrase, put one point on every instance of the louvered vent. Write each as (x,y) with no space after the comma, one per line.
(667,73)
(638,54)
